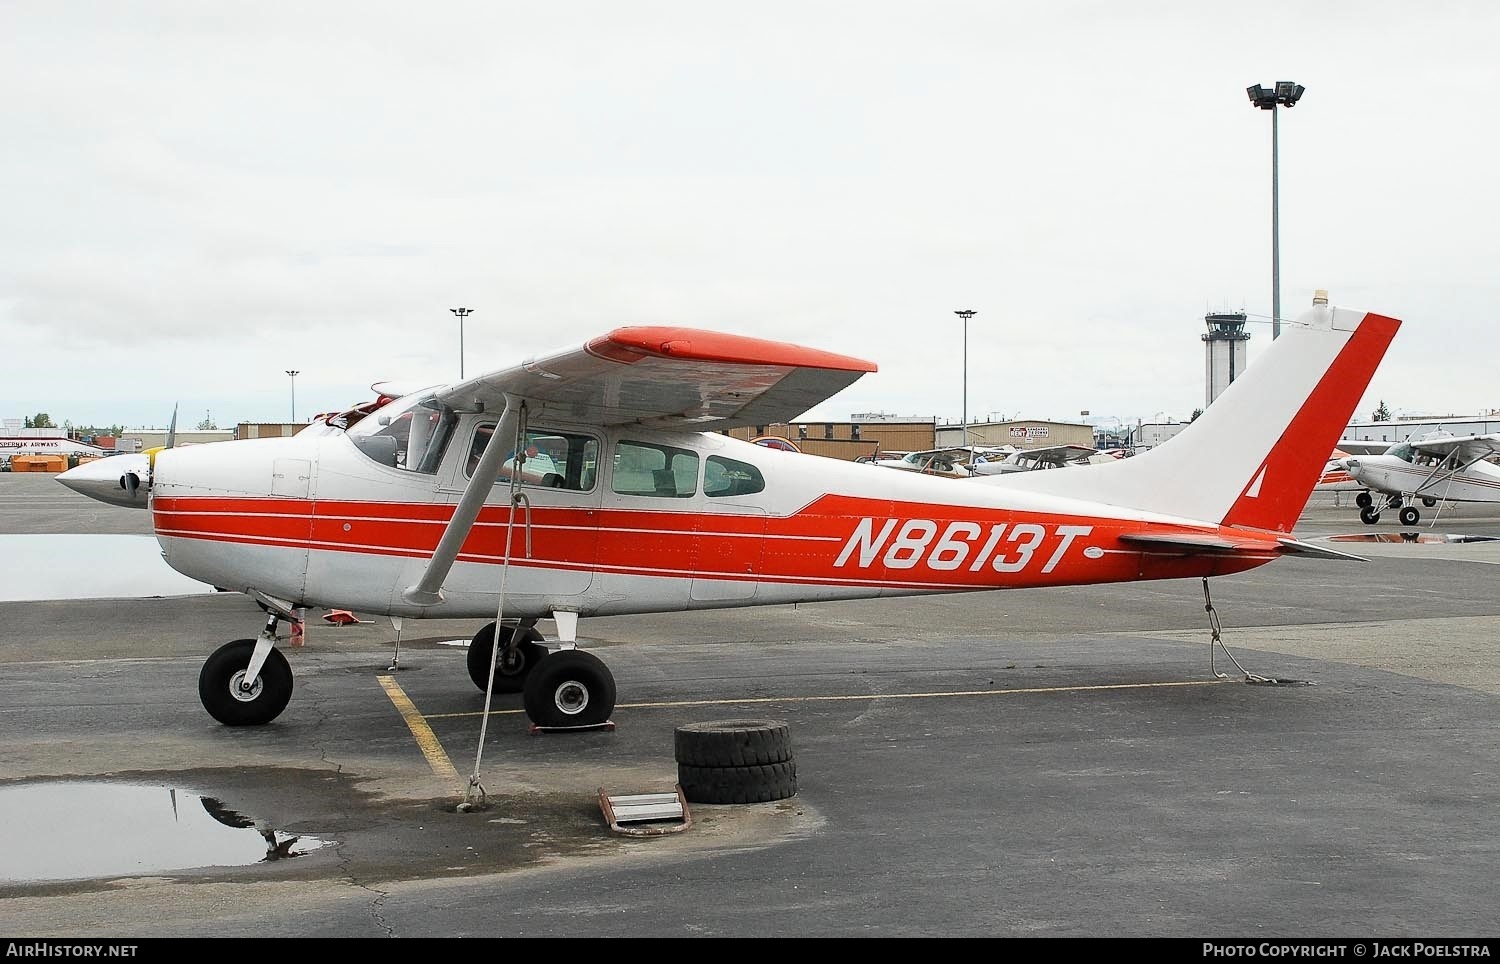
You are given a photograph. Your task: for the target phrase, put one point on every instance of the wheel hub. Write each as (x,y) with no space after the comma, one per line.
(571,697)
(239,691)
(512,661)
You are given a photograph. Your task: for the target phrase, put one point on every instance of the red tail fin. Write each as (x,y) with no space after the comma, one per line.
(1278,492)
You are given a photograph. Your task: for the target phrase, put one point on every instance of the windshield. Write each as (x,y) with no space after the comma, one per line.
(1402,451)
(411,433)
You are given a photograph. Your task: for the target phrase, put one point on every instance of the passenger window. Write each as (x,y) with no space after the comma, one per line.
(554,460)
(725,477)
(660,471)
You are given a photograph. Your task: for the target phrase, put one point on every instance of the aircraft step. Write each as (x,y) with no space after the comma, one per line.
(646,814)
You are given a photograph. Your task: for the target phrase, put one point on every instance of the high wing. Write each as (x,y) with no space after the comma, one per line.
(1057,454)
(663,377)
(1464,449)
(668,377)
(1043,457)
(1349,446)
(954,451)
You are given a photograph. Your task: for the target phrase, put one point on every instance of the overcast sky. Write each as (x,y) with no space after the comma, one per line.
(201,196)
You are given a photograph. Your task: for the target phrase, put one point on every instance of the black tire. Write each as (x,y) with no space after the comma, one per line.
(569,688)
(1397,503)
(509,677)
(1368,515)
(218,685)
(1363,500)
(733,743)
(1429,501)
(1410,516)
(753,784)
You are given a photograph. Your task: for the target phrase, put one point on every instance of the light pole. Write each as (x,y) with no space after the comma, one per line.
(1286,94)
(462,313)
(966,314)
(294,394)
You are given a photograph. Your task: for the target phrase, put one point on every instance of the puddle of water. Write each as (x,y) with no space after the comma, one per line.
(1412,537)
(38,567)
(86,831)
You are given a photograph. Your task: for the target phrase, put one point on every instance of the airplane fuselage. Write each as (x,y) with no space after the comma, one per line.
(317,521)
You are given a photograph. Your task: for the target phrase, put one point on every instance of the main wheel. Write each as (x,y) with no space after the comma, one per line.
(1363,499)
(220,685)
(513,666)
(1410,515)
(1429,501)
(569,688)
(1368,515)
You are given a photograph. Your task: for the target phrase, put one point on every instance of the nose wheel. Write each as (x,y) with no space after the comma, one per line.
(235,701)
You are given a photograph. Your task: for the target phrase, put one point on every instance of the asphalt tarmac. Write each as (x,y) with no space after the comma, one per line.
(1059,762)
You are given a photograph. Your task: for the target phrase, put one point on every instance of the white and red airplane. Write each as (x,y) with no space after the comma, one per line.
(416,510)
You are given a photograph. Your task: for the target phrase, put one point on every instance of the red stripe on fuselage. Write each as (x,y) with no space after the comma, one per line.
(835,541)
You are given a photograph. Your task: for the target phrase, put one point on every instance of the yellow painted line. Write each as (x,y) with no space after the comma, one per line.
(437,757)
(880,696)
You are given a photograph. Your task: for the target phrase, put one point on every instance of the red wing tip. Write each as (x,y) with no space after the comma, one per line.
(630,345)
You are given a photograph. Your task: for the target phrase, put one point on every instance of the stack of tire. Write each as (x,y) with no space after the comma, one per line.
(735,761)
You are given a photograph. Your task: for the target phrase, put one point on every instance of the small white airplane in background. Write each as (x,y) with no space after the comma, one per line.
(1449,468)
(957,461)
(1046,457)
(413,513)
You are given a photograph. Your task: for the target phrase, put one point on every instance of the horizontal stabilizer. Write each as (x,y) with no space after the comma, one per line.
(1198,544)
(1296,547)
(1206,543)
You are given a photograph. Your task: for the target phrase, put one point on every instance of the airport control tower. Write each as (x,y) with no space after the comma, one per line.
(1223,352)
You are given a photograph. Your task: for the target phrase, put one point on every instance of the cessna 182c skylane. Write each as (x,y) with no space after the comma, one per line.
(418,510)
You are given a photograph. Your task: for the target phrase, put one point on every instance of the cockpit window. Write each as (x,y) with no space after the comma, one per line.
(1403,451)
(410,434)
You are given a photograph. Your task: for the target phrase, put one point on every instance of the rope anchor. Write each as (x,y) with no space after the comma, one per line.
(1216,638)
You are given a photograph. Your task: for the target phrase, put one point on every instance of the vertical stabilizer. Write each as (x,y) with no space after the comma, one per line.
(1253,457)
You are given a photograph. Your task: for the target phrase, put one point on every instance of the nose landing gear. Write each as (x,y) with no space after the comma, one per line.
(247,682)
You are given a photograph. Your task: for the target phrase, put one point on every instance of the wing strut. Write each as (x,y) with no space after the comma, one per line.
(428,590)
